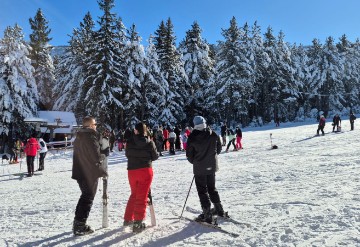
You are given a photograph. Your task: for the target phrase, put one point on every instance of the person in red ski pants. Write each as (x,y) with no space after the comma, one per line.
(140,151)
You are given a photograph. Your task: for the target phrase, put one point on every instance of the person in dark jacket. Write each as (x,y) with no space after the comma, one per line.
(141,152)
(159,139)
(321,125)
(203,147)
(177,132)
(352,120)
(336,122)
(87,168)
(224,131)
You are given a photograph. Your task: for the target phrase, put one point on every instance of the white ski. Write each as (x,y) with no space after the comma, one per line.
(151,207)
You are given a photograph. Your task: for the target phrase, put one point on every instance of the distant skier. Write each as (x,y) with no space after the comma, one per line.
(336,122)
(87,169)
(203,147)
(231,137)
(159,139)
(238,138)
(352,120)
(172,140)
(31,148)
(43,151)
(224,131)
(321,125)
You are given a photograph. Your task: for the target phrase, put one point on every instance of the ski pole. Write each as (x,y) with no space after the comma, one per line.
(187,197)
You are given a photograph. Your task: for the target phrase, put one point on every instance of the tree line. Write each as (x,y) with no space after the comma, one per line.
(249,77)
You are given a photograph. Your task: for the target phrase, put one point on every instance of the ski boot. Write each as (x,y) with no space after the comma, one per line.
(206,216)
(138,226)
(218,210)
(80,228)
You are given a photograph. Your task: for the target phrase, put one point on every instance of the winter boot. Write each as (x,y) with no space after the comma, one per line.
(138,226)
(128,222)
(218,210)
(80,228)
(206,216)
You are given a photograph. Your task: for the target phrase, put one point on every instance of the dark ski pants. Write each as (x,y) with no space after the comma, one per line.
(233,143)
(322,130)
(335,125)
(41,161)
(88,192)
(140,182)
(30,164)
(205,185)
(352,125)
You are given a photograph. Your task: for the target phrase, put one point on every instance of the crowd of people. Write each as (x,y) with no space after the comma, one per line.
(142,147)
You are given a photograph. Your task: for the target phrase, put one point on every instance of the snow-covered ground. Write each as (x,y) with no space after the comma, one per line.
(306,193)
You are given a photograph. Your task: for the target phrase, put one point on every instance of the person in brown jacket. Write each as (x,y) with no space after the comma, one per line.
(87,168)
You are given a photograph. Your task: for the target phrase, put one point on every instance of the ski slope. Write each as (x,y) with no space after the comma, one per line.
(306,193)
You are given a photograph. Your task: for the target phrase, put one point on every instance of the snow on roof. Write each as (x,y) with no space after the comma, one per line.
(66,118)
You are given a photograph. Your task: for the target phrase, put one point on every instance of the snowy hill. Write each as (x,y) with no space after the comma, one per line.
(306,193)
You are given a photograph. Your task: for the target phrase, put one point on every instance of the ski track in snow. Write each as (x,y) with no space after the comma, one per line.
(306,193)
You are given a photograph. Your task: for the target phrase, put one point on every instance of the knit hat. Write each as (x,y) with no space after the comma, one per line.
(199,123)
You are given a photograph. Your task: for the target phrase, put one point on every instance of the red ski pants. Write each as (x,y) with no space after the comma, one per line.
(140,181)
(238,143)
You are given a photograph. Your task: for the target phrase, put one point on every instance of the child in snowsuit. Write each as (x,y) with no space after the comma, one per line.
(238,138)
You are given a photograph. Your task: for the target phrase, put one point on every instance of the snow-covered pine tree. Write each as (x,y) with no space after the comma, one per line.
(234,72)
(71,70)
(104,79)
(199,68)
(171,65)
(333,87)
(262,62)
(18,91)
(299,60)
(287,93)
(350,57)
(42,60)
(157,85)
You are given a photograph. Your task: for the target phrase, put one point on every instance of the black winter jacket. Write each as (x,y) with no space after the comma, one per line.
(87,160)
(140,152)
(202,150)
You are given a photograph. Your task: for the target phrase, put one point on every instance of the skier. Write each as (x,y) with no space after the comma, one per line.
(231,137)
(336,123)
(321,125)
(31,148)
(166,138)
(159,139)
(140,151)
(352,119)
(202,149)
(87,168)
(43,151)
(172,139)
(184,140)
(111,140)
(238,138)
(224,131)
(177,132)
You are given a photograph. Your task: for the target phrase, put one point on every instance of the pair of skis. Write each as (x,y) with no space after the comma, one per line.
(105,219)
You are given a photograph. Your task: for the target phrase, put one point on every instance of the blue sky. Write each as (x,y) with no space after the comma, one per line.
(301,20)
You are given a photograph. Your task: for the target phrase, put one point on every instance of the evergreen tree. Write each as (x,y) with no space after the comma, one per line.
(234,73)
(171,65)
(41,59)
(199,68)
(350,58)
(104,78)
(71,70)
(18,94)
